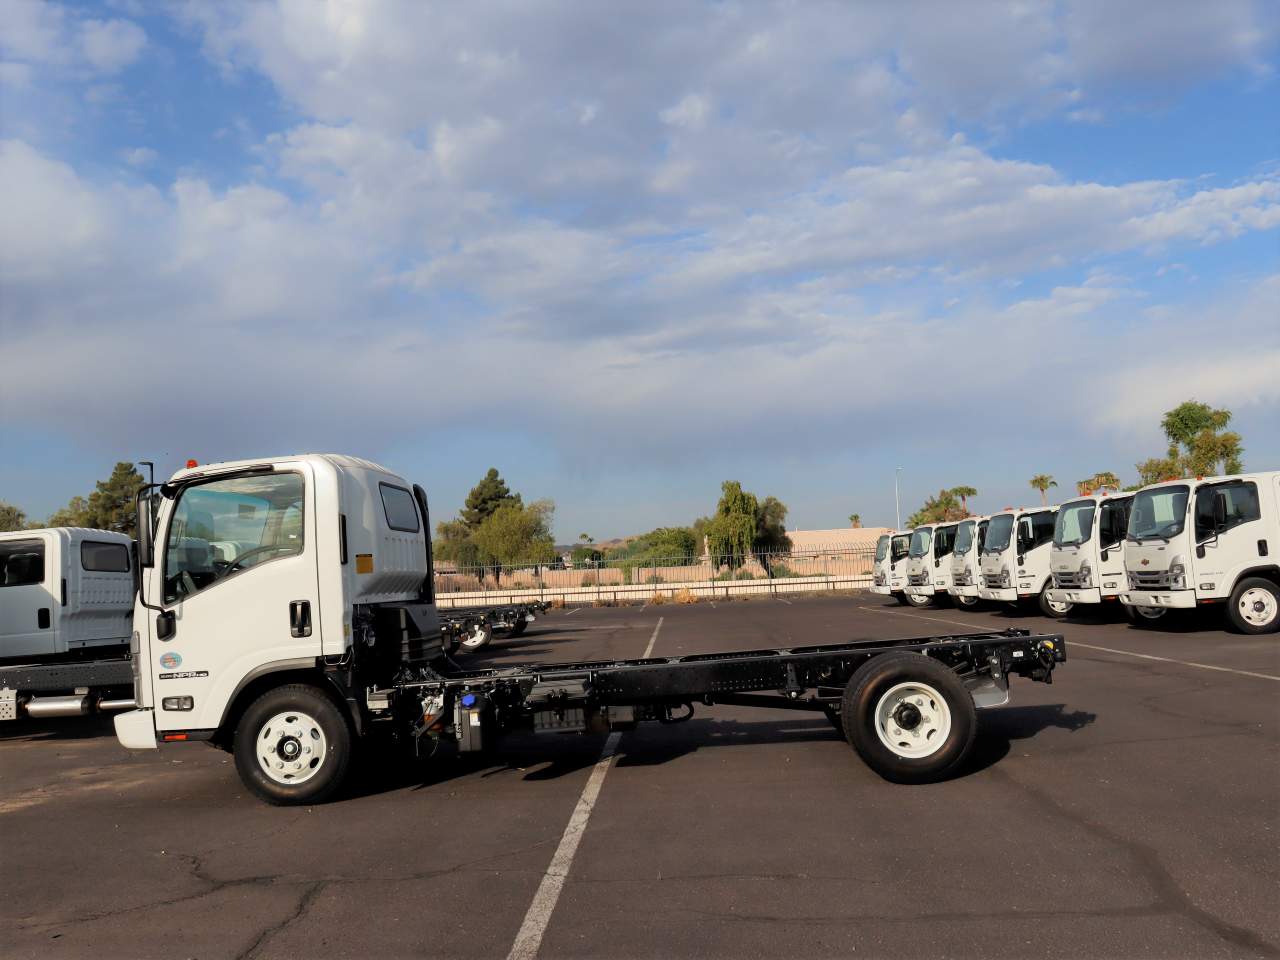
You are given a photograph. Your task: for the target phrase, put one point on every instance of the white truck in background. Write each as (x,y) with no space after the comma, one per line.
(929,562)
(66,617)
(1212,540)
(1015,559)
(965,575)
(1087,557)
(889,574)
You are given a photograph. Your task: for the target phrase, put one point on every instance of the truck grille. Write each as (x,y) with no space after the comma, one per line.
(992,581)
(1159,580)
(918,580)
(1067,580)
(962,579)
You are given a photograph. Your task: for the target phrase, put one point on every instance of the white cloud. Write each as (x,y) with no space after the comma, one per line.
(691,112)
(111,45)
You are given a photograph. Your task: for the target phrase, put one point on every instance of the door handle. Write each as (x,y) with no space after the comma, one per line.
(300,618)
(42,618)
(1262,548)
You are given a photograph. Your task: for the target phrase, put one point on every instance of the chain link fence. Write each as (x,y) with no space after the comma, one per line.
(839,568)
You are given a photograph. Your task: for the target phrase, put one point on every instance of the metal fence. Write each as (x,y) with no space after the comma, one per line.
(839,568)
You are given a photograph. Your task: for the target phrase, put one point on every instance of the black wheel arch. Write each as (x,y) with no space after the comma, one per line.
(251,688)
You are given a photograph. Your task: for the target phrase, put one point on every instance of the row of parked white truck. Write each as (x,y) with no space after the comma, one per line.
(1174,545)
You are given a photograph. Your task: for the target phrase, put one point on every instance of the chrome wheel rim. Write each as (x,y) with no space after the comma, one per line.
(476,638)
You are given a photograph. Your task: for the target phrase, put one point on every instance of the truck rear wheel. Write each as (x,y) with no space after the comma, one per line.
(1255,606)
(477,637)
(293,746)
(518,627)
(909,717)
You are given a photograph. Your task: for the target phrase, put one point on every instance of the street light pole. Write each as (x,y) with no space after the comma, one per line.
(897,502)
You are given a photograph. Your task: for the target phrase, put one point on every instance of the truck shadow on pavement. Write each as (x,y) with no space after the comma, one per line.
(58,728)
(533,757)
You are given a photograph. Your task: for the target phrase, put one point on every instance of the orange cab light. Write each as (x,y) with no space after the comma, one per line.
(175,736)
(192,463)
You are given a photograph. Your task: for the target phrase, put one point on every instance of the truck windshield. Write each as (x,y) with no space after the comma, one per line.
(882,547)
(1075,524)
(964,537)
(999,531)
(920,541)
(1158,514)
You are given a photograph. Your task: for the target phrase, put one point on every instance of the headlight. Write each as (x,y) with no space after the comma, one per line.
(1086,575)
(1177,574)
(1004,576)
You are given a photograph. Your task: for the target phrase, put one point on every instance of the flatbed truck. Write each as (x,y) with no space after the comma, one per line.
(319,634)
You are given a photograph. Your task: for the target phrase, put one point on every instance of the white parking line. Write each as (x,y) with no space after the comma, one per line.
(529,938)
(1090,646)
(786,601)
(573,611)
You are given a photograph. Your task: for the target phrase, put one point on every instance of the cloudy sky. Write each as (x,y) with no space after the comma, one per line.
(623,252)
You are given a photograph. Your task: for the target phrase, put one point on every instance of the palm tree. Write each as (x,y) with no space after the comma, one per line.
(1042,482)
(964,493)
(855,520)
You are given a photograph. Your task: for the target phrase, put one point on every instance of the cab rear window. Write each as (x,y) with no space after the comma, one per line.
(402,513)
(100,557)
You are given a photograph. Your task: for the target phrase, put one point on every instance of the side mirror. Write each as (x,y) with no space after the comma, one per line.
(166,625)
(146,536)
(1220,511)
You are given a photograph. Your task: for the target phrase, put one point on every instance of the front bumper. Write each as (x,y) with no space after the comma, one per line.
(922,590)
(1169,599)
(968,590)
(136,729)
(1075,595)
(1000,594)
(883,589)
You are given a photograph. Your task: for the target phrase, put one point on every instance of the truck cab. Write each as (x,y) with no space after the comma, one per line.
(1015,559)
(965,576)
(1087,556)
(64,592)
(1209,540)
(889,577)
(929,562)
(260,573)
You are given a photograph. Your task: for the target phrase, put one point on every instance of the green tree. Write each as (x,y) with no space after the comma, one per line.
(585,555)
(74,514)
(855,520)
(964,493)
(451,535)
(109,507)
(11,518)
(1042,482)
(744,526)
(937,509)
(485,498)
(1199,444)
(516,534)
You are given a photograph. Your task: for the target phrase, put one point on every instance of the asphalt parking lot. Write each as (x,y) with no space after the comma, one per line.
(1131,809)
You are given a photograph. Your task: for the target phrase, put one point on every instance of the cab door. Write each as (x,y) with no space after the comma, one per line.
(30,590)
(239,590)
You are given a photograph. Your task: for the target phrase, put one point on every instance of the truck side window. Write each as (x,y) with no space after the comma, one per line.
(21,563)
(223,527)
(398,505)
(1114,523)
(1242,507)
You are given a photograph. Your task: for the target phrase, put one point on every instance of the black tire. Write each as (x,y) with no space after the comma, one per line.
(1047,610)
(1255,606)
(477,638)
(919,603)
(519,627)
(900,597)
(1142,621)
(833,715)
(967,603)
(318,713)
(872,682)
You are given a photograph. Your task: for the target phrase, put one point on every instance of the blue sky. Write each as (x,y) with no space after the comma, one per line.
(623,254)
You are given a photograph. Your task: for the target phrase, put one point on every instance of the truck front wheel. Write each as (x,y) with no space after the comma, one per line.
(917,601)
(293,746)
(1255,606)
(909,717)
(1055,609)
(477,636)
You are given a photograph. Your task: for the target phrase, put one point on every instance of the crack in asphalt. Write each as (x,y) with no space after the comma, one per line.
(268,933)
(1170,897)
(984,915)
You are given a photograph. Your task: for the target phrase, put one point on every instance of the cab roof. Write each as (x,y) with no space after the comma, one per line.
(226,466)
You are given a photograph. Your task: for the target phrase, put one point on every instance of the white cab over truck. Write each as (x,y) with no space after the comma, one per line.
(965,574)
(1087,558)
(1210,540)
(66,611)
(1015,559)
(890,572)
(929,562)
(285,613)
